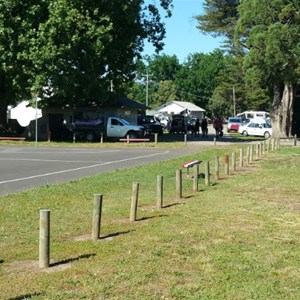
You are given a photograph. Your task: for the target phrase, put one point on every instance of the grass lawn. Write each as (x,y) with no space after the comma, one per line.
(238,238)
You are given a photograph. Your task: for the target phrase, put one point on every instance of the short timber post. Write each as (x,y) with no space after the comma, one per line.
(226,164)
(217,168)
(258,150)
(233,161)
(241,158)
(195,178)
(159,194)
(155,138)
(178,184)
(295,140)
(101,138)
(44,245)
(185,139)
(134,201)
(248,155)
(207,174)
(97,212)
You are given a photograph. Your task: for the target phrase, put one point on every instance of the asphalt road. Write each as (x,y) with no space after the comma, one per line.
(24,168)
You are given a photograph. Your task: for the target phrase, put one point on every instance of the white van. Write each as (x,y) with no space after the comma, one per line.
(251,114)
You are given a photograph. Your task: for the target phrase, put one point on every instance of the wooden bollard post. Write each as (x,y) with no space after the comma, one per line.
(257,151)
(195,178)
(159,194)
(155,138)
(101,138)
(265,147)
(74,138)
(134,201)
(251,153)
(248,155)
(178,184)
(185,139)
(44,243)
(217,168)
(233,161)
(127,138)
(273,144)
(261,149)
(207,174)
(226,164)
(295,140)
(97,212)
(215,141)
(241,158)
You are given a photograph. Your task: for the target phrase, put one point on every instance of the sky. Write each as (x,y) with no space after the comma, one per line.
(182,37)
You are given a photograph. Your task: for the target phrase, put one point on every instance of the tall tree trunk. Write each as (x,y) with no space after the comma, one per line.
(3,108)
(282,111)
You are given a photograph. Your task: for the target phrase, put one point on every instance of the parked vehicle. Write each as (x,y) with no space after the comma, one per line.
(178,124)
(234,123)
(164,120)
(151,124)
(251,114)
(113,127)
(256,127)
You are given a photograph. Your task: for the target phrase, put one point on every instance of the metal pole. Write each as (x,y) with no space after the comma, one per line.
(36,122)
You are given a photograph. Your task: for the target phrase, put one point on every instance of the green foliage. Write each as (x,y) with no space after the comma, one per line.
(198,77)
(76,49)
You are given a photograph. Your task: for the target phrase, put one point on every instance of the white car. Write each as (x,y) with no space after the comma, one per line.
(256,127)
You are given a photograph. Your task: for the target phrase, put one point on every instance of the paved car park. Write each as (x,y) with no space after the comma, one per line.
(30,167)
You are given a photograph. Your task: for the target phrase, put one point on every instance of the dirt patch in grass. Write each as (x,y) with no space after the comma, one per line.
(33,266)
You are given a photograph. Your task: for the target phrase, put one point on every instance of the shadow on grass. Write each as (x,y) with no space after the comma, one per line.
(172,204)
(25,296)
(115,234)
(69,260)
(1,261)
(149,218)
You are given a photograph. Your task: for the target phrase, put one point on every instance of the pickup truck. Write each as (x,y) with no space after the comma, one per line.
(113,127)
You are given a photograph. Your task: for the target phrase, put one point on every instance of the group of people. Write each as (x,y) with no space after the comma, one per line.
(203,125)
(217,123)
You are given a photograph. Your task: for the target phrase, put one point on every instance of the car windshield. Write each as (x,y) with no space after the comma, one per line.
(124,121)
(234,120)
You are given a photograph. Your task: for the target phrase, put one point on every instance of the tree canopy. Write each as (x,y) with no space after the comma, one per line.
(264,34)
(71,51)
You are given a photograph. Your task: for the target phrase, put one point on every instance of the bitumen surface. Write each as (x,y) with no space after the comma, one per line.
(27,167)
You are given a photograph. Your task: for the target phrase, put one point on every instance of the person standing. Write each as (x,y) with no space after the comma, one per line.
(204,128)
(197,126)
(218,125)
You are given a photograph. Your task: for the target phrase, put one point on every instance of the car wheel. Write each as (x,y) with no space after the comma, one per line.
(245,133)
(132,135)
(267,134)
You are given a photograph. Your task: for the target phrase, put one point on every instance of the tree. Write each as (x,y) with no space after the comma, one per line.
(270,30)
(155,73)
(198,77)
(74,48)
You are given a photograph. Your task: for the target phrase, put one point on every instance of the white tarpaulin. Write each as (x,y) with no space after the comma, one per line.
(24,114)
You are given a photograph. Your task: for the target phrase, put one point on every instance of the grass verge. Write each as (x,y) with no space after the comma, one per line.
(235,239)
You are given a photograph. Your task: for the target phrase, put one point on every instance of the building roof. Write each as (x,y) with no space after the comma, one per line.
(185,105)
(129,103)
